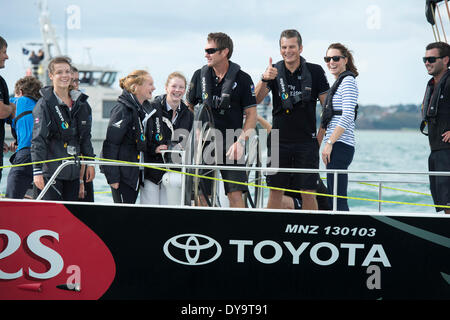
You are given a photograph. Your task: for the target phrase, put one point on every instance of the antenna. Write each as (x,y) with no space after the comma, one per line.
(47,30)
(88,54)
(50,40)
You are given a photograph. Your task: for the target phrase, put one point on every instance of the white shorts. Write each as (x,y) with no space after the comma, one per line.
(167,192)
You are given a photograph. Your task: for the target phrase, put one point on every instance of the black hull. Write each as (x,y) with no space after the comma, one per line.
(172,253)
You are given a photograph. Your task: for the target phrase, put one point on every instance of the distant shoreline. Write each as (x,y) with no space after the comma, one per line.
(389,129)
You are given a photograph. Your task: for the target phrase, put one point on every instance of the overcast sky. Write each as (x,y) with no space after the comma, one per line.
(388,38)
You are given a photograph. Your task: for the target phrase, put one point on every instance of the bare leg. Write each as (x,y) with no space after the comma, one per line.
(287,202)
(275,199)
(309,201)
(235,199)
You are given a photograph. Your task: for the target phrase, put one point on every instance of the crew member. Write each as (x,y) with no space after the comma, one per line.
(62,128)
(20,179)
(436,116)
(167,127)
(296,85)
(229,92)
(125,136)
(6,108)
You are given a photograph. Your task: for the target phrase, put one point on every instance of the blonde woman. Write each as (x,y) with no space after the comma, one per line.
(125,136)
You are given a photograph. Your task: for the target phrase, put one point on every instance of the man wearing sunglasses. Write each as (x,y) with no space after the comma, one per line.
(230,94)
(296,85)
(436,116)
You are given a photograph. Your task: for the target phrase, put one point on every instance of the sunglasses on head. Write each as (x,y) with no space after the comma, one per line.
(213,50)
(335,58)
(430,59)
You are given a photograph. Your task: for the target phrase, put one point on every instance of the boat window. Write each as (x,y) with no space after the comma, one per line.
(91,78)
(85,77)
(107,105)
(96,75)
(113,78)
(108,79)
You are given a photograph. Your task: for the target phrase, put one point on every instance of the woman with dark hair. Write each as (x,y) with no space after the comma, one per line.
(20,179)
(338,119)
(125,136)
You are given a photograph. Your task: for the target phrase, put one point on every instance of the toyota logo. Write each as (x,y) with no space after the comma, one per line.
(192,249)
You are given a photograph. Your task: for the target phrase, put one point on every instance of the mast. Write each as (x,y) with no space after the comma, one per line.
(50,40)
(433,14)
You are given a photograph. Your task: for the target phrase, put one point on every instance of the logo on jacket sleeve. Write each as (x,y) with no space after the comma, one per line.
(117,124)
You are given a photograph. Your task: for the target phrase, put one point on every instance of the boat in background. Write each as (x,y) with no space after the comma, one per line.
(95,81)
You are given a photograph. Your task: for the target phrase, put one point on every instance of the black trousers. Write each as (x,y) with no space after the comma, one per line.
(341,158)
(61,190)
(439,160)
(124,194)
(20,179)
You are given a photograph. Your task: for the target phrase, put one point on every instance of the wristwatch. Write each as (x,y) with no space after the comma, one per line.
(329,142)
(81,181)
(262,78)
(242,142)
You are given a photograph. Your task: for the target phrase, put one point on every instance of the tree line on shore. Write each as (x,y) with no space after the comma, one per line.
(394,117)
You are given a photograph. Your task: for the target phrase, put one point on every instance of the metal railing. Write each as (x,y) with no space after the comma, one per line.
(264,170)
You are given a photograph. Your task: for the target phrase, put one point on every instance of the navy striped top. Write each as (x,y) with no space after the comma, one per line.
(345,99)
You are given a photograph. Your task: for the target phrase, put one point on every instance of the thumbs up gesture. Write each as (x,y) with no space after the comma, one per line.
(271,72)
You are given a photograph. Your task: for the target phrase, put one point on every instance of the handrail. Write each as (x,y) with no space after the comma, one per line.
(263,169)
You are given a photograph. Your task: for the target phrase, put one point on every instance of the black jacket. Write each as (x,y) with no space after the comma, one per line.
(50,141)
(438,119)
(4,97)
(159,132)
(121,141)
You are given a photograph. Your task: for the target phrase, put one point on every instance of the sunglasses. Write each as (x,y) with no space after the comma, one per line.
(430,59)
(335,58)
(213,50)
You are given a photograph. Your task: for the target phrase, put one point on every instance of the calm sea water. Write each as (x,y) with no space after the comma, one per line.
(391,151)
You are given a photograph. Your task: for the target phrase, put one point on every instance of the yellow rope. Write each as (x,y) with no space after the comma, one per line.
(236,182)
(267,187)
(37,162)
(396,189)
